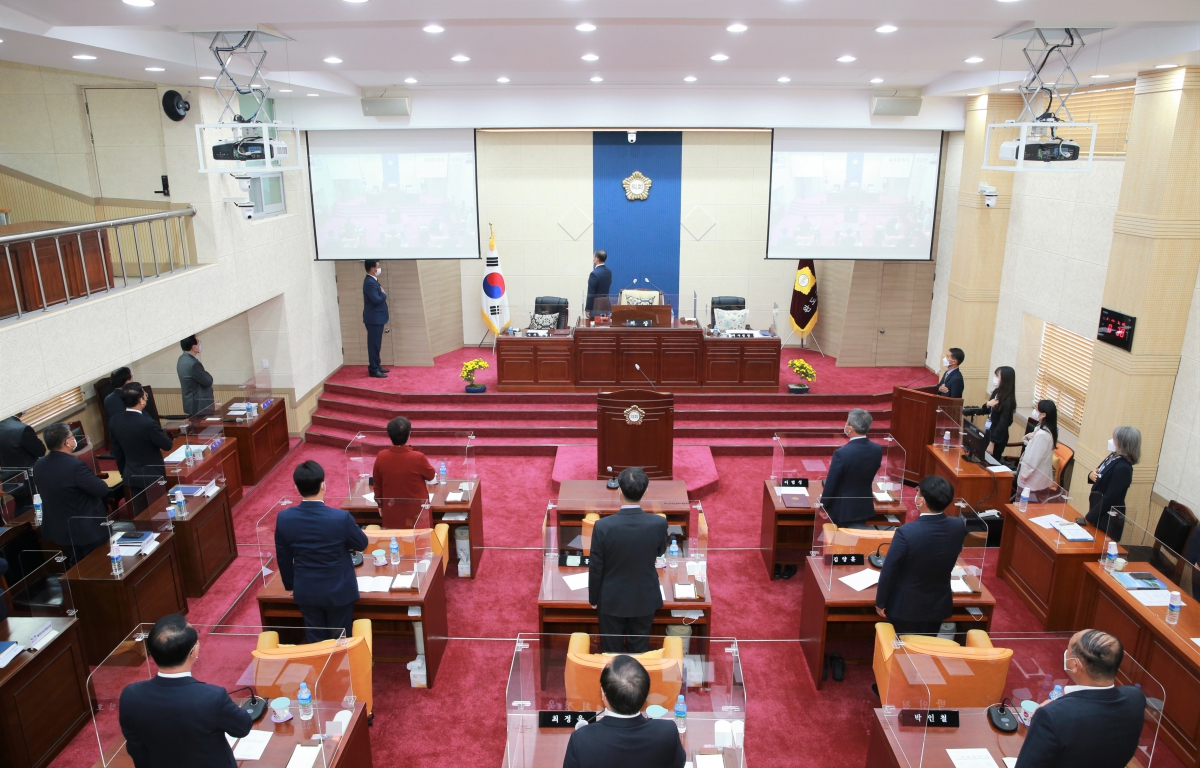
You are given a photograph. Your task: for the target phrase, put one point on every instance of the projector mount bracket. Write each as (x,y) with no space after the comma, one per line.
(228,47)
(1060,48)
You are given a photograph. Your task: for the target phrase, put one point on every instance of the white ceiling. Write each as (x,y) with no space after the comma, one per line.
(641,43)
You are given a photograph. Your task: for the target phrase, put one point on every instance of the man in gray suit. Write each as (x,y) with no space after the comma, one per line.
(195,382)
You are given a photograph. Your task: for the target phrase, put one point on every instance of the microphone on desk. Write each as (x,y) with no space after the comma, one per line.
(877,559)
(612,481)
(644,376)
(255,706)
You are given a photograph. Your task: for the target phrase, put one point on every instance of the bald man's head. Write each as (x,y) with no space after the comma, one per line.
(1099,654)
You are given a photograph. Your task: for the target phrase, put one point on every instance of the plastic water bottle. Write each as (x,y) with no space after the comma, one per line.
(1174,606)
(1110,557)
(187,456)
(442,473)
(1057,693)
(114,557)
(681,714)
(304,702)
(37,510)
(1023,504)
(673,554)
(394,552)
(946,441)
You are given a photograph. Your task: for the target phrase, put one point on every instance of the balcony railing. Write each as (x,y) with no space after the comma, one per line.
(44,267)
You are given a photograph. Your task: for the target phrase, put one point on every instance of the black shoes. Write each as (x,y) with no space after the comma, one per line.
(384,370)
(837,665)
(778,572)
(377,374)
(789,571)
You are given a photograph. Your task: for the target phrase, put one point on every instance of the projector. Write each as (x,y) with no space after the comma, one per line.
(1046,151)
(250,149)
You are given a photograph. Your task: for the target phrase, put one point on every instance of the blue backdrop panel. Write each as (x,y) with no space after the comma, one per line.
(640,236)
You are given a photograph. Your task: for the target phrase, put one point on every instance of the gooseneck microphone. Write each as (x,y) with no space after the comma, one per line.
(612,481)
(644,376)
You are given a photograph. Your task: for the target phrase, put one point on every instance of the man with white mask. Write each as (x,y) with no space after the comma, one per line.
(951,383)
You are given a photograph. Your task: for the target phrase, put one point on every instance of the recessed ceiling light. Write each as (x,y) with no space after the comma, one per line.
(973,60)
(597,79)
(689,79)
(285,90)
(332,60)
(460,58)
(1007,90)
(1156,66)
(207,77)
(356,1)
(736,28)
(410,80)
(434,29)
(155,69)
(585,27)
(590,57)
(1006,1)
(139,3)
(877,80)
(1099,77)
(784,79)
(719,57)
(846,59)
(973,94)
(313,94)
(501,79)
(83,57)
(886,29)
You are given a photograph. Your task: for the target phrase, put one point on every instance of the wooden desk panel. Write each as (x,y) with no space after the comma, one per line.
(261,443)
(536,364)
(224,461)
(885,750)
(972,482)
(203,538)
(576,498)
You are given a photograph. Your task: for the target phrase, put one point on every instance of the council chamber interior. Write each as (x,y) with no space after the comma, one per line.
(890,313)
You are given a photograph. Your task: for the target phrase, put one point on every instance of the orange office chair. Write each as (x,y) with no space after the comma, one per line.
(331,672)
(582,674)
(439,536)
(1062,463)
(933,672)
(589,522)
(851,541)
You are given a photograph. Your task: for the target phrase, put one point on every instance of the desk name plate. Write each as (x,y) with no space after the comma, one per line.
(563,719)
(847,559)
(929,718)
(793,482)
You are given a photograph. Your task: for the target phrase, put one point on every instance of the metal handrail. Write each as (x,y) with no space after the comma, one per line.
(77,228)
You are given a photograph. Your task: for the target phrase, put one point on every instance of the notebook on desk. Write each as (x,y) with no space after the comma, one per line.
(796,500)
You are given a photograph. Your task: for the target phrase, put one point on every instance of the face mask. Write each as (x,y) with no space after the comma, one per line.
(1040,417)
(1066,658)
(946,362)
(1112,446)
(995,382)
(199,348)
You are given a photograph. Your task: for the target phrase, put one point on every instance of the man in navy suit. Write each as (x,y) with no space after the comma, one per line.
(599,284)
(622,736)
(313,546)
(113,404)
(375,316)
(137,442)
(951,383)
(847,496)
(72,496)
(174,720)
(914,586)
(1095,724)
(622,581)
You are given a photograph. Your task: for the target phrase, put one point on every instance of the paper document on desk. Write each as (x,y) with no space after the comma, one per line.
(454,497)
(662,591)
(1153,598)
(576,581)
(176,456)
(304,756)
(369,496)
(861,580)
(252,746)
(231,739)
(685,591)
(780,490)
(971,758)
(709,761)
(883,497)
(999,469)
(1009,762)
(1045,521)
(405,581)
(374,583)
(960,587)
(1072,531)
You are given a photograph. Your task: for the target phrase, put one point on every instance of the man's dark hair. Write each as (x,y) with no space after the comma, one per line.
(398,430)
(370,264)
(1100,654)
(937,492)
(308,477)
(626,684)
(131,394)
(120,377)
(188,343)
(633,482)
(958,355)
(171,640)
(602,256)
(55,435)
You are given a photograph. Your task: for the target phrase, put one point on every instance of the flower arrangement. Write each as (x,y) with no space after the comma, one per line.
(470,367)
(802,369)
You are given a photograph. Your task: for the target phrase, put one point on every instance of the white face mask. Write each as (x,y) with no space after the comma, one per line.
(945,362)
(1040,417)
(1112,446)
(199,348)
(995,382)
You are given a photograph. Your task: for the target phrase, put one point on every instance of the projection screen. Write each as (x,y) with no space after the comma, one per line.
(853,194)
(394,194)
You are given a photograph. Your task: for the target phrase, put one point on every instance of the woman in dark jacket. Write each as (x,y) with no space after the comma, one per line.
(1111,480)
(1003,404)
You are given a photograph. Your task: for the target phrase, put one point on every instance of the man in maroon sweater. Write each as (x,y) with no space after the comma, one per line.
(400,472)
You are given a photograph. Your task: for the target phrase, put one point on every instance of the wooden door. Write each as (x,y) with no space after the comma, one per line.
(894,316)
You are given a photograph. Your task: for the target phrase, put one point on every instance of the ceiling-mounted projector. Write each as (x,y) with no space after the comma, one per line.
(250,149)
(1044,150)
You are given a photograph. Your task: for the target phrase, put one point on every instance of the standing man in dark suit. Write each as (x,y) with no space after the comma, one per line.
(112,402)
(622,736)
(914,586)
(195,382)
(1095,724)
(622,580)
(847,495)
(73,510)
(19,449)
(138,442)
(313,546)
(375,317)
(174,720)
(599,284)
(951,384)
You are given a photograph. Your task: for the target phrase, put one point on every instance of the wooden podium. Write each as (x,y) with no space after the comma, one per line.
(635,428)
(914,416)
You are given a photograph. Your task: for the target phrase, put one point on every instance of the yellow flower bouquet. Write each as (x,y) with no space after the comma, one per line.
(470,367)
(802,369)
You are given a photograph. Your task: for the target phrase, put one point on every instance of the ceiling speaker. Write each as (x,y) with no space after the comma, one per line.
(896,102)
(175,106)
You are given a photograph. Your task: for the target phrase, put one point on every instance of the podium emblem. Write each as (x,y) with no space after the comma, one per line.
(634,415)
(637,186)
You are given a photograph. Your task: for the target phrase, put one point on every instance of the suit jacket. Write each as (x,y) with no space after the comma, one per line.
(619,742)
(599,284)
(180,722)
(137,445)
(70,489)
(400,473)
(375,308)
(1108,492)
(847,495)
(914,584)
(622,579)
(113,404)
(953,380)
(3,603)
(19,444)
(1002,418)
(313,543)
(1086,729)
(195,382)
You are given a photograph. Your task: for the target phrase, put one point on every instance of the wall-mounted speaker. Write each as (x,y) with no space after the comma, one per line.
(175,106)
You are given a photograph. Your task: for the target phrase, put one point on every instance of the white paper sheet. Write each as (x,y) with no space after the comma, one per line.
(780,490)
(685,591)
(883,496)
(370,496)
(176,456)
(454,497)
(999,469)
(1009,762)
(1045,521)
(374,584)
(252,746)
(303,756)
(1073,532)
(1152,598)
(709,761)
(662,591)
(960,587)
(230,739)
(576,581)
(1196,640)
(404,580)
(861,580)
(971,758)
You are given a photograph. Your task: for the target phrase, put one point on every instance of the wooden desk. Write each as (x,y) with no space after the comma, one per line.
(224,461)
(577,498)
(388,611)
(1042,567)
(1165,651)
(972,482)
(834,611)
(787,534)
(546,747)
(110,606)
(261,443)
(367,513)
(203,539)
(43,695)
(353,751)
(884,750)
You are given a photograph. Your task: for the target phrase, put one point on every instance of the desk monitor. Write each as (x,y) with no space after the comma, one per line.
(975,443)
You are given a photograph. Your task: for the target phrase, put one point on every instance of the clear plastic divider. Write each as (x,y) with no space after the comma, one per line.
(44,590)
(17,489)
(948,428)
(1048,506)
(804,454)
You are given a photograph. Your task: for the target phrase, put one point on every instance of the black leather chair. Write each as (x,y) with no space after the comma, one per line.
(724,302)
(548,305)
(1174,528)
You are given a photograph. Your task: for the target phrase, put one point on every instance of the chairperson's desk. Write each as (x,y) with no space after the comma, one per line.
(979,486)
